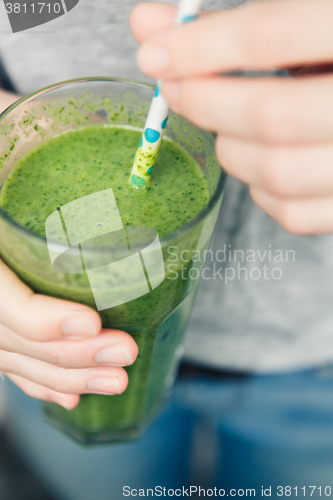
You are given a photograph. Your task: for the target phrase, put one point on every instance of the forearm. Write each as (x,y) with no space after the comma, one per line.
(6,99)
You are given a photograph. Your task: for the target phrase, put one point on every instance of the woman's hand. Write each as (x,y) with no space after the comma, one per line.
(274,134)
(55,349)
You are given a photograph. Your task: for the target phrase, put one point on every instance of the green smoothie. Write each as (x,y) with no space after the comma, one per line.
(81,162)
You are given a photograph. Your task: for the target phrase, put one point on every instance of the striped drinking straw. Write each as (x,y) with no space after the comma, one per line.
(146,154)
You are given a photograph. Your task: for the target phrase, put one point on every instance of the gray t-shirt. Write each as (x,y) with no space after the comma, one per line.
(265,304)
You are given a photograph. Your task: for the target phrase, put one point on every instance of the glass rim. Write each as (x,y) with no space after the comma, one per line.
(136,83)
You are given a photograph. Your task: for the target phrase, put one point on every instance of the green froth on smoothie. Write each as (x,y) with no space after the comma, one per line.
(81,162)
(43,118)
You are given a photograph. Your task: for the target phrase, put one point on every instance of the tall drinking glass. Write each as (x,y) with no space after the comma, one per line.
(157,319)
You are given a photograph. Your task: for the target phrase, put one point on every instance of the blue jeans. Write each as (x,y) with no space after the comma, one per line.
(233,434)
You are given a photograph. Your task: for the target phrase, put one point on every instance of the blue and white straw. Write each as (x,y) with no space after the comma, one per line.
(146,154)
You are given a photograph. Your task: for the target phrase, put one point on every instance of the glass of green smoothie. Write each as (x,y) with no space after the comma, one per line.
(77,138)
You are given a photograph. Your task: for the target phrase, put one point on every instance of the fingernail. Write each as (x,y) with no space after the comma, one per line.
(104,386)
(170,91)
(153,58)
(116,355)
(78,328)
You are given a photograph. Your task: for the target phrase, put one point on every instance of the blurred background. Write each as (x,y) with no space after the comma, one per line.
(17,482)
